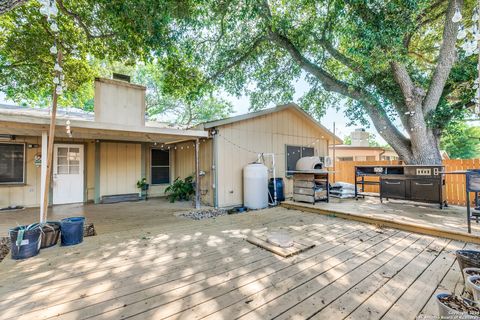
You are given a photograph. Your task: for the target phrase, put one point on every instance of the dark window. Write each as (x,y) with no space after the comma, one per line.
(12,163)
(294,153)
(160,166)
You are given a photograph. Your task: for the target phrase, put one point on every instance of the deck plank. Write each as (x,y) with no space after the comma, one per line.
(205,269)
(382,300)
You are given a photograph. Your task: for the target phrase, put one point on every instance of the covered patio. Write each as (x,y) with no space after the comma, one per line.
(149,263)
(99,161)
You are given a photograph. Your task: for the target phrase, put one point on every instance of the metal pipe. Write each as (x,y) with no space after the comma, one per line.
(261,155)
(214,169)
(197,174)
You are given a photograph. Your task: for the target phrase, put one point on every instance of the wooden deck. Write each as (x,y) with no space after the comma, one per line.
(205,269)
(450,222)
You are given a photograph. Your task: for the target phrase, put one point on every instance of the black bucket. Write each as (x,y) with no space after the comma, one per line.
(279,186)
(72,230)
(25,241)
(51,233)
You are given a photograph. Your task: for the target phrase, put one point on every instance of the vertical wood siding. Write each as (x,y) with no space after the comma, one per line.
(184,165)
(120,167)
(240,142)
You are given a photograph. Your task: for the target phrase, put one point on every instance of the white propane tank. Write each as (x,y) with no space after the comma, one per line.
(255,186)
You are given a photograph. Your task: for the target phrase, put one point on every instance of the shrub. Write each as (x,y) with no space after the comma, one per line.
(180,189)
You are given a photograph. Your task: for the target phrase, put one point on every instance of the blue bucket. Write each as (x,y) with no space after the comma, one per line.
(72,230)
(25,241)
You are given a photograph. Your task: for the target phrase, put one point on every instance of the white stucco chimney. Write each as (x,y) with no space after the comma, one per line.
(359,138)
(119,102)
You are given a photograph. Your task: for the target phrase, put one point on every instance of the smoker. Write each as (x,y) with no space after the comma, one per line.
(473,185)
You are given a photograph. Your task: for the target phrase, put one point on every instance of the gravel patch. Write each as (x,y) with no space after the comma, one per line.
(203,214)
(4,247)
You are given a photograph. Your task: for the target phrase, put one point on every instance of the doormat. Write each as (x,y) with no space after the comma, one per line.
(282,244)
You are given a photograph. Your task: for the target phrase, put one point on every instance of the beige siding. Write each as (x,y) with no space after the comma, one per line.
(120,168)
(240,142)
(184,165)
(28,194)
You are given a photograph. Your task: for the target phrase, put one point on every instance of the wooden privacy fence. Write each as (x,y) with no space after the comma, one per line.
(454,183)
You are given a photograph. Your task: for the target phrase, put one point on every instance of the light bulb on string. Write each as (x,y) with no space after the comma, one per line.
(462,33)
(54,27)
(57,67)
(457,17)
(53,49)
(56,80)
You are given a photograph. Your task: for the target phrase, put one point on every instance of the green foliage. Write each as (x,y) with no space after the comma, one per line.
(185,109)
(142,184)
(461,141)
(180,189)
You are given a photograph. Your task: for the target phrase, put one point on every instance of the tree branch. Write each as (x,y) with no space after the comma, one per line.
(237,61)
(337,55)
(380,120)
(446,59)
(8,5)
(412,94)
(82,24)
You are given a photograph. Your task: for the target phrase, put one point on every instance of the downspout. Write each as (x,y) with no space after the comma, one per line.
(197,174)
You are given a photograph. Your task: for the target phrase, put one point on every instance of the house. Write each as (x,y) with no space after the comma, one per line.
(286,131)
(360,150)
(108,152)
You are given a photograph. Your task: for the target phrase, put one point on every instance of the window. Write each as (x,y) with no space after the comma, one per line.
(12,163)
(68,160)
(371,158)
(160,166)
(345,158)
(293,154)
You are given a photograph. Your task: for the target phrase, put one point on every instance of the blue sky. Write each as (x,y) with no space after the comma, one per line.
(332,115)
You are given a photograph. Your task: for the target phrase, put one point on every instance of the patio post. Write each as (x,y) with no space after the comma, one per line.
(49,155)
(43,173)
(197,174)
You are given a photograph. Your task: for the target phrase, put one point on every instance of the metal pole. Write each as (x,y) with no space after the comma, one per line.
(477,104)
(334,144)
(197,174)
(51,138)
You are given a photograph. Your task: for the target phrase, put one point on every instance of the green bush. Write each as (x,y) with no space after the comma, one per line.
(180,189)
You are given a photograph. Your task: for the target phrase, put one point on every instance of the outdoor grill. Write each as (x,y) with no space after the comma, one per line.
(405,182)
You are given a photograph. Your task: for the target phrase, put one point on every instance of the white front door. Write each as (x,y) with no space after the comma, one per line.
(67,173)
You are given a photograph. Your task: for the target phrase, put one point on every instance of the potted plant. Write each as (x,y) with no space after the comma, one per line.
(468,259)
(452,307)
(474,285)
(143,186)
(468,272)
(180,189)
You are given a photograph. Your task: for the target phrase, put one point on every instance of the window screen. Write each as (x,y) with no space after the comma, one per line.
(160,166)
(12,163)
(294,153)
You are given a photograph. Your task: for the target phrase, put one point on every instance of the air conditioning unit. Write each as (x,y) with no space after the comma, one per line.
(328,162)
